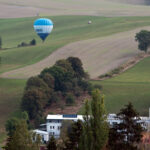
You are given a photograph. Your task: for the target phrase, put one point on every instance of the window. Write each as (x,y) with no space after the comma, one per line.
(53,127)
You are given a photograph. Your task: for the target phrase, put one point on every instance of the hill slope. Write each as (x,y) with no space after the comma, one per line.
(99,55)
(18,8)
(69,29)
(132,85)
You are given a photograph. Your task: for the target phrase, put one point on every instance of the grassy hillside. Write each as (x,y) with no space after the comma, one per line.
(10,96)
(67,29)
(132,85)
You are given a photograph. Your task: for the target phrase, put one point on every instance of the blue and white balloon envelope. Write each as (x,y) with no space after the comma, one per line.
(43,27)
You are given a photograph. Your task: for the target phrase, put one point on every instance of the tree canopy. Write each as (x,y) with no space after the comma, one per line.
(143,38)
(13,122)
(65,77)
(22,139)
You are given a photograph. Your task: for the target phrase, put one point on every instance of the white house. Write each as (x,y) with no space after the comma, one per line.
(54,124)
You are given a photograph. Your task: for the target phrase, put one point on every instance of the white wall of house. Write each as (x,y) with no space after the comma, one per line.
(54,127)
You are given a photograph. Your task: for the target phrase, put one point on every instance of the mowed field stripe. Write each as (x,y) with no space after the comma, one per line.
(98,55)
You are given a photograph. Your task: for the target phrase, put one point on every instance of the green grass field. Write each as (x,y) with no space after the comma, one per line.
(10,95)
(67,29)
(132,85)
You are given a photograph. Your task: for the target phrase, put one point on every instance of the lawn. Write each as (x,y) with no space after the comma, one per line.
(132,85)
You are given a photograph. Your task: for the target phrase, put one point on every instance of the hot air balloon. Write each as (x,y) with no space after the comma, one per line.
(43,27)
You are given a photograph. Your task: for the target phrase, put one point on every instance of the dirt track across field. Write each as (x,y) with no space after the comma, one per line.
(98,55)
(26,8)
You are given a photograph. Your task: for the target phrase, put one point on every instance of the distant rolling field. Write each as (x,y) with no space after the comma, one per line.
(20,8)
(67,29)
(132,85)
(107,52)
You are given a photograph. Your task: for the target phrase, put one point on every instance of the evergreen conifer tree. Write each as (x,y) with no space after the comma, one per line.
(74,135)
(127,133)
(52,144)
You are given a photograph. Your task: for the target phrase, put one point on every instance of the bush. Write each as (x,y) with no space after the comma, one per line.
(117,70)
(70,99)
(33,42)
(98,86)
(77,91)
(84,84)
(23,44)
(107,75)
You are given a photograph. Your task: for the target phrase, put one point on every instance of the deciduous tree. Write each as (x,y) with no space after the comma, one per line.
(86,141)
(95,128)
(52,144)
(13,122)
(74,135)
(143,38)
(22,139)
(77,67)
(33,101)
